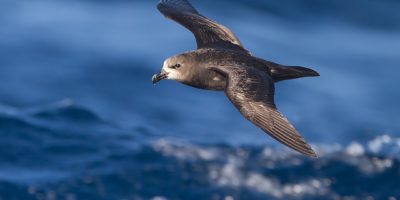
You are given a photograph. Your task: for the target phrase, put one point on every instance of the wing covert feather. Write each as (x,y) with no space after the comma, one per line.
(208,33)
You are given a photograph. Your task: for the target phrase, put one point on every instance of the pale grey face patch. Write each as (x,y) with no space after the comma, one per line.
(171,67)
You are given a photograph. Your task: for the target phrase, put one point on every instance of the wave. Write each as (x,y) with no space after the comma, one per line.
(114,164)
(66,110)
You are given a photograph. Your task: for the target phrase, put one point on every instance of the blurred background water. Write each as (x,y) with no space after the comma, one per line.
(80,119)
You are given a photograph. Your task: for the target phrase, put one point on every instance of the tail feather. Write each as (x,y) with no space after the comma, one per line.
(291,72)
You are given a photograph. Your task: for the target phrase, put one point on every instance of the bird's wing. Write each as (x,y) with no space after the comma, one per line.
(252,93)
(208,33)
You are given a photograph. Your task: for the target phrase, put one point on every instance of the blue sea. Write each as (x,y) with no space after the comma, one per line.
(81,120)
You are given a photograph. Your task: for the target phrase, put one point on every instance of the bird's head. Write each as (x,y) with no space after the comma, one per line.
(173,69)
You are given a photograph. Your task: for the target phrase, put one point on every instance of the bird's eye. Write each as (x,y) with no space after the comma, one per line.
(175,66)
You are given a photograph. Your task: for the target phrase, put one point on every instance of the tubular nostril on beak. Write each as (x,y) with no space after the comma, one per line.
(158,77)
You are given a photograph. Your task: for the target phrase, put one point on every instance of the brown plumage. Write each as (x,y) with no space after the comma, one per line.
(222,63)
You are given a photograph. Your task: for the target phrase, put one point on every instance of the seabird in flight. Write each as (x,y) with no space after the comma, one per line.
(221,63)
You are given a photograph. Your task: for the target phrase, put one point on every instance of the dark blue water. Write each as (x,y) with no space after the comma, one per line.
(80,119)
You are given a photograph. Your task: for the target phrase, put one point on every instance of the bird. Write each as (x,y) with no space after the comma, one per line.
(222,63)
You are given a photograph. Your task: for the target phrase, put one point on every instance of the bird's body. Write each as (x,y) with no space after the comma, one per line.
(198,74)
(221,63)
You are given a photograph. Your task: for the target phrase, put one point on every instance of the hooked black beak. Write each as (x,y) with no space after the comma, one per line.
(158,77)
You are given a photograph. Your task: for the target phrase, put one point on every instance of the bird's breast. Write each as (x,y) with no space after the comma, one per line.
(207,79)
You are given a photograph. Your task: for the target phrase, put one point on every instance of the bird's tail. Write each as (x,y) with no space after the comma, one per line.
(291,72)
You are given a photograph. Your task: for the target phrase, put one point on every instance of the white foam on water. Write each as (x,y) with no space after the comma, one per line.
(159,198)
(230,167)
(376,144)
(183,151)
(355,149)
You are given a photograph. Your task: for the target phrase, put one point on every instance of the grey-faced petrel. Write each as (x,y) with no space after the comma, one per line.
(221,63)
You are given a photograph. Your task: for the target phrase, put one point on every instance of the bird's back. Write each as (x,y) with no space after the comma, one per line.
(277,71)
(201,77)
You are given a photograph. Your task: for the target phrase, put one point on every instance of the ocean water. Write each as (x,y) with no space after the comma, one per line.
(80,119)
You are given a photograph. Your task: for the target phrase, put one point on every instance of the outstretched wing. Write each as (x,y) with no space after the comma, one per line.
(208,33)
(252,93)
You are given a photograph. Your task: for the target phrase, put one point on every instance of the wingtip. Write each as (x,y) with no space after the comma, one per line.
(311,72)
(307,71)
(310,152)
(313,154)
(315,73)
(163,7)
(160,6)
(176,6)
